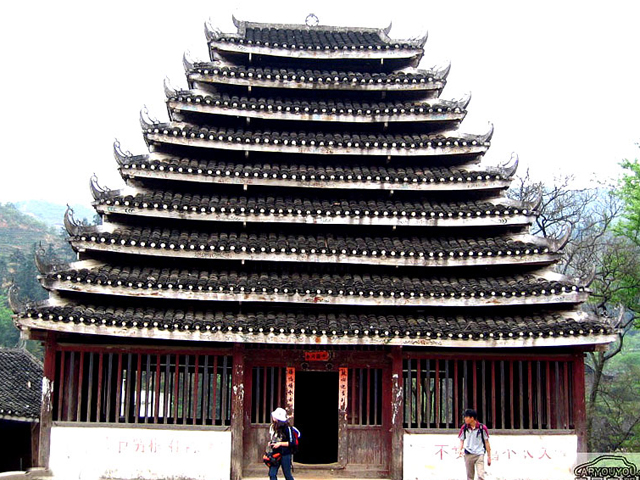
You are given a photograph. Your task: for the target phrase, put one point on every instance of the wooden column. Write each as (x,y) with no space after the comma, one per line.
(579,407)
(343,403)
(46,409)
(396,406)
(237,412)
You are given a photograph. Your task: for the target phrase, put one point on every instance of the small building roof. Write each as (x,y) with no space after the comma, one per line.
(20,385)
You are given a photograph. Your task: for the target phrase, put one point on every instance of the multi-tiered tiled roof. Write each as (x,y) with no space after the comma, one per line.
(311,183)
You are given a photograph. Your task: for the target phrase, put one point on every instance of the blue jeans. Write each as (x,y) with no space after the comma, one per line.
(285,462)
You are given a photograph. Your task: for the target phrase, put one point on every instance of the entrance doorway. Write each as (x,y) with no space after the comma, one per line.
(316,416)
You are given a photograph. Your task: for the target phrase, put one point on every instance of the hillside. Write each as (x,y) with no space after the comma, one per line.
(53,213)
(20,231)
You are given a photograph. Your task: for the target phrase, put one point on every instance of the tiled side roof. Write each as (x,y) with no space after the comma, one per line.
(20,384)
(413,79)
(364,249)
(320,322)
(326,110)
(298,284)
(317,142)
(299,174)
(290,209)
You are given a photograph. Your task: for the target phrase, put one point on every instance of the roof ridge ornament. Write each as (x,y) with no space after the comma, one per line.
(39,257)
(146,120)
(121,156)
(97,191)
(587,280)
(442,73)
(312,20)
(169,90)
(463,101)
(211,33)
(510,167)
(387,29)
(16,304)
(489,135)
(187,61)
(535,203)
(559,242)
(71,225)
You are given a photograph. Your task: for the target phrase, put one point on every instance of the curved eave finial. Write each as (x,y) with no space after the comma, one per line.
(463,102)
(237,23)
(558,243)
(16,304)
(510,168)
(187,61)
(122,157)
(211,33)
(42,265)
(387,29)
(70,224)
(97,191)
(535,203)
(420,42)
(169,91)
(443,73)
(146,121)
(489,135)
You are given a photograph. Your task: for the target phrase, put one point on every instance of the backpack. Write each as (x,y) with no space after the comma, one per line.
(480,429)
(294,439)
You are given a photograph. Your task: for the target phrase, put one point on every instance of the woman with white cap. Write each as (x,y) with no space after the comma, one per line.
(281,438)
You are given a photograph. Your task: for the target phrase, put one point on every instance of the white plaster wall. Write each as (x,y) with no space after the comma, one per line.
(514,457)
(96,453)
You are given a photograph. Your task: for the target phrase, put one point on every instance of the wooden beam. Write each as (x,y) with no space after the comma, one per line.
(343,404)
(48,390)
(237,412)
(579,407)
(397,430)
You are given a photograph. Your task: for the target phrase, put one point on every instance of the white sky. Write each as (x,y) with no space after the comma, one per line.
(559,79)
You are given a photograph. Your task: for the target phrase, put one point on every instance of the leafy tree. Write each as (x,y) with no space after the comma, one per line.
(629,193)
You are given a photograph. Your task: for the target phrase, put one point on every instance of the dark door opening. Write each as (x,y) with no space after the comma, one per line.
(316,416)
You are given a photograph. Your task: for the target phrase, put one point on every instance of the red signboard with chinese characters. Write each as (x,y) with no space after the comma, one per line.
(316,356)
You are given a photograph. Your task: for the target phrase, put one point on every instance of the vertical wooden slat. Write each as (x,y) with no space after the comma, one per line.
(360,395)
(502,396)
(494,420)
(437,415)
(456,399)
(224,388)
(419,393)
(205,391)
(156,394)
(530,393)
(176,384)
(557,394)
(538,386)
(90,389)
(272,393)
(80,378)
(280,370)
(521,393)
(474,400)
(512,392)
(214,394)
(396,408)
(378,373)
(265,410)
(99,390)
(548,392)
(60,388)
(429,397)
(196,380)
(465,384)
(446,392)
(368,416)
(70,394)
(128,386)
(118,405)
(138,403)
(354,401)
(409,395)
(565,394)
(109,385)
(483,399)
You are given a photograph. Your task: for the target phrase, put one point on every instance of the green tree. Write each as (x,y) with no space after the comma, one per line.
(629,193)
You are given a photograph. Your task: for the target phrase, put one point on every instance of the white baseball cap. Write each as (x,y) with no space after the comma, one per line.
(280,414)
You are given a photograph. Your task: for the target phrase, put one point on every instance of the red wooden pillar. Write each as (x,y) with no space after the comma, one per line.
(237,412)
(46,409)
(343,404)
(579,406)
(396,404)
